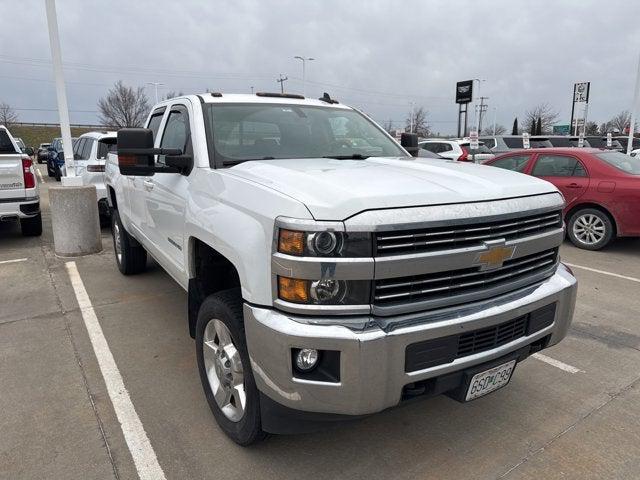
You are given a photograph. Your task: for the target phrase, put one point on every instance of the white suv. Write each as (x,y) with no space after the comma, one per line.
(90,153)
(456,149)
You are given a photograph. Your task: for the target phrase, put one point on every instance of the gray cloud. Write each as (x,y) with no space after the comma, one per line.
(376,55)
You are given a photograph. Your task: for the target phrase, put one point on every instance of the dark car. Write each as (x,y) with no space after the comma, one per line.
(601,142)
(55,160)
(601,189)
(43,152)
(624,141)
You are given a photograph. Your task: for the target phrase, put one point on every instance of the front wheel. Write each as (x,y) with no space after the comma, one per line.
(225,371)
(58,174)
(590,229)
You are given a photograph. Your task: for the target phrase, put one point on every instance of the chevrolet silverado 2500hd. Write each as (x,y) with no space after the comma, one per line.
(331,275)
(19,193)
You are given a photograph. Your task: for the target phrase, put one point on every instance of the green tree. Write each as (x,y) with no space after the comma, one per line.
(514,130)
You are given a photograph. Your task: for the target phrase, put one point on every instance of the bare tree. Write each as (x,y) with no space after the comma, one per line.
(420,124)
(172,94)
(545,113)
(621,121)
(488,130)
(7,114)
(123,106)
(591,129)
(388,126)
(604,128)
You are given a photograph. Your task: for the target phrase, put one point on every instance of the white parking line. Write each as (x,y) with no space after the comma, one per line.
(14,261)
(604,272)
(39,173)
(139,445)
(556,363)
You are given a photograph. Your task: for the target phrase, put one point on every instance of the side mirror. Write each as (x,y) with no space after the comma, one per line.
(29,151)
(136,153)
(410,143)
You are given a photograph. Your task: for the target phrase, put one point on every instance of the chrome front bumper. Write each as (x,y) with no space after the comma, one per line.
(372,361)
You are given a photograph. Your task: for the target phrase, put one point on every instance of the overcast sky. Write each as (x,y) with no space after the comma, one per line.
(376,55)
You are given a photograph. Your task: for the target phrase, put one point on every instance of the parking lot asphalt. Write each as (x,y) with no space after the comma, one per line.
(572,414)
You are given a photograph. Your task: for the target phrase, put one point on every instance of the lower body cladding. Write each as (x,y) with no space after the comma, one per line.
(361,372)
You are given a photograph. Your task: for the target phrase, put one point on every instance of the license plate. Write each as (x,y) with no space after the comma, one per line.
(490,380)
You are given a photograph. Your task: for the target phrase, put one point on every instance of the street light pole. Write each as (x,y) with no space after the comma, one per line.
(156,84)
(495,113)
(634,109)
(304,72)
(61,94)
(478,114)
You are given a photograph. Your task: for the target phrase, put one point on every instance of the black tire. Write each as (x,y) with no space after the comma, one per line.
(50,172)
(132,257)
(602,229)
(226,306)
(31,227)
(58,174)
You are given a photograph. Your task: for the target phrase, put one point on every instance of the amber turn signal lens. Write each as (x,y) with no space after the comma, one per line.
(293,290)
(291,242)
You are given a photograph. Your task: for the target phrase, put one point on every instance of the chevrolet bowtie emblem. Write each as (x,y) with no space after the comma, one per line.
(494,257)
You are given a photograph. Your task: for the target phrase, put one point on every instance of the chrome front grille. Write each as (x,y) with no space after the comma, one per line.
(450,286)
(466,235)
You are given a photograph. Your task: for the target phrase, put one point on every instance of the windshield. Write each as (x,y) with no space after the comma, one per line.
(482,148)
(621,161)
(243,132)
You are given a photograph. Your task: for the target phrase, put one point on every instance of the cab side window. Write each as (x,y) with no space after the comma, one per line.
(177,133)
(85,153)
(517,163)
(154,122)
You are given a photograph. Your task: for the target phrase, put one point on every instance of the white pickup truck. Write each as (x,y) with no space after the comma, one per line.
(331,275)
(19,193)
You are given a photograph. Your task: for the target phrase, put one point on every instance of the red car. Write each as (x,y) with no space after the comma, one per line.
(601,188)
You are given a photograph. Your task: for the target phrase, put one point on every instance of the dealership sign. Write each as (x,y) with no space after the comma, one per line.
(581,92)
(464,91)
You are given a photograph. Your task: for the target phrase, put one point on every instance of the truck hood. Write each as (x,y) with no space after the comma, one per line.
(338,189)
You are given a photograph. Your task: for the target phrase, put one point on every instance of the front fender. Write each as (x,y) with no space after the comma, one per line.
(236,218)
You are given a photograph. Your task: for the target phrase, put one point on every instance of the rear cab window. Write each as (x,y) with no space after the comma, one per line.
(513,142)
(6,145)
(106,146)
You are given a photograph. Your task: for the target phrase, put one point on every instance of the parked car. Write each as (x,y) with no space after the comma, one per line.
(55,160)
(601,189)
(90,153)
(43,152)
(563,141)
(273,221)
(624,141)
(504,143)
(19,192)
(601,142)
(459,150)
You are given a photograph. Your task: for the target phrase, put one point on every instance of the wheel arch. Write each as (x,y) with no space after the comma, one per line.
(595,206)
(209,272)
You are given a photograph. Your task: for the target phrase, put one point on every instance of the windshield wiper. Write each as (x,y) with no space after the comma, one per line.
(355,156)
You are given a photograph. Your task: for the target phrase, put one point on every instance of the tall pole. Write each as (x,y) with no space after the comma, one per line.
(573,109)
(478,116)
(304,71)
(156,85)
(634,108)
(61,94)
(281,81)
(411,118)
(495,113)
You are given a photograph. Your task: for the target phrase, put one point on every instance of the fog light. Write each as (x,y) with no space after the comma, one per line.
(306,359)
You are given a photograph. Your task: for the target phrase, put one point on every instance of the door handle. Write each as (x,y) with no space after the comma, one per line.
(148,185)
(573,185)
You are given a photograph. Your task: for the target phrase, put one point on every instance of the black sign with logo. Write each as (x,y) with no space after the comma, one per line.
(464,91)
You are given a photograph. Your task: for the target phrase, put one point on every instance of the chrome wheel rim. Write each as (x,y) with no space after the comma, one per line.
(589,229)
(117,241)
(224,369)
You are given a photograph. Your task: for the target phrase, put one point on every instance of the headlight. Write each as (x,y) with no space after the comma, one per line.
(326,291)
(324,243)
